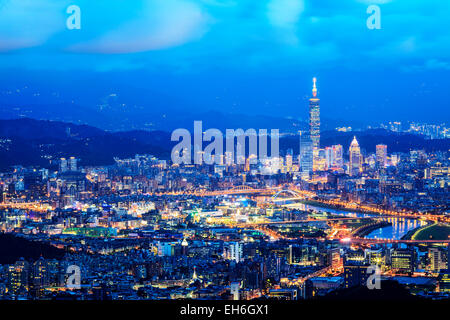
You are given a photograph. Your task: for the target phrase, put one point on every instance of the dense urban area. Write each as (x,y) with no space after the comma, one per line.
(297,226)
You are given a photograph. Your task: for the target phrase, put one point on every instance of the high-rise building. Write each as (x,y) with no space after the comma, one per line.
(329,157)
(355,274)
(334,258)
(289,163)
(306,155)
(381,152)
(63,165)
(314,117)
(233,251)
(319,160)
(337,156)
(40,279)
(443,282)
(436,258)
(403,260)
(72,162)
(333,157)
(355,158)
(18,275)
(234,289)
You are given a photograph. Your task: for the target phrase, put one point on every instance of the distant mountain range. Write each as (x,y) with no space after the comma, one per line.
(35,142)
(112,113)
(140,109)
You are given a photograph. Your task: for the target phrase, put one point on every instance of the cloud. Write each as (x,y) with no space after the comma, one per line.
(196,34)
(284,13)
(160,25)
(369,2)
(429,65)
(29,23)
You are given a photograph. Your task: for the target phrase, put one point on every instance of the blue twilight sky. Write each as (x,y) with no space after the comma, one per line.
(241,56)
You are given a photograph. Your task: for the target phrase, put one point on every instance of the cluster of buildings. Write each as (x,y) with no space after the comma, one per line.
(146,228)
(431,131)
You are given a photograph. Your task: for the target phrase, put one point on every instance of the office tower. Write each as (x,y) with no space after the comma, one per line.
(334,258)
(381,154)
(307,289)
(72,164)
(234,289)
(319,160)
(338,160)
(39,277)
(314,117)
(306,155)
(34,183)
(329,157)
(355,274)
(233,251)
(375,257)
(403,260)
(184,246)
(355,158)
(273,267)
(18,277)
(443,282)
(395,159)
(437,262)
(302,255)
(334,157)
(63,166)
(289,162)
(247,164)
(229,159)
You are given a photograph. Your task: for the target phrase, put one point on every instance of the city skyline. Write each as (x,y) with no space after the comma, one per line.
(224,158)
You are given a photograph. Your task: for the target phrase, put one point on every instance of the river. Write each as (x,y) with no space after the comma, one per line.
(399,227)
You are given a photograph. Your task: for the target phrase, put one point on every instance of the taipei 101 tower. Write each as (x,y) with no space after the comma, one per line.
(314,118)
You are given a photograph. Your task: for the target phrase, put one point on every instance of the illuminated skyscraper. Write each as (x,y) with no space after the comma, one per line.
(233,251)
(314,117)
(288,162)
(63,167)
(329,157)
(403,260)
(39,277)
(338,161)
(381,155)
(72,162)
(18,277)
(306,155)
(355,158)
(333,157)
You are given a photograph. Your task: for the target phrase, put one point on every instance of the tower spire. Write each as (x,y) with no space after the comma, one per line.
(314,91)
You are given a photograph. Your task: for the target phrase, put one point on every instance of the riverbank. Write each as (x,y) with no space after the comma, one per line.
(336,207)
(367,229)
(435,231)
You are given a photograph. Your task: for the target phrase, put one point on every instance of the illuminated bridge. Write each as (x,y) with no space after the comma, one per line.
(275,192)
